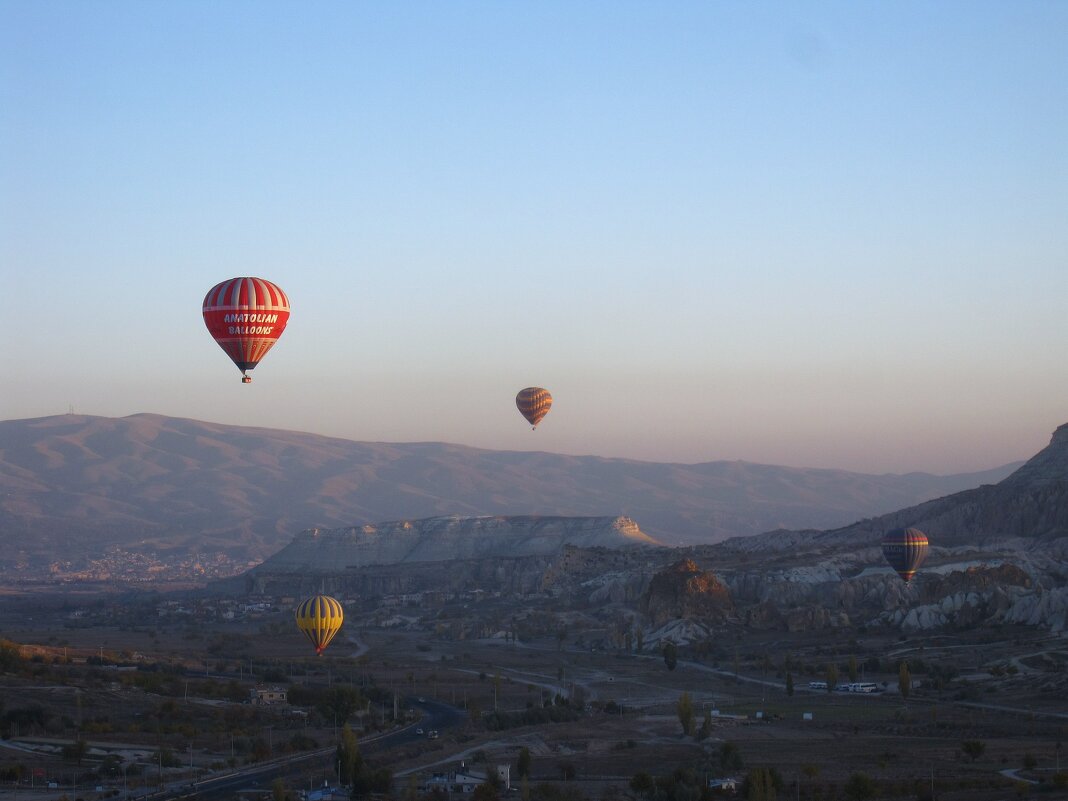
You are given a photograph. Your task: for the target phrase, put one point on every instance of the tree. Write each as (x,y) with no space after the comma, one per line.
(10,657)
(348,757)
(165,757)
(904,680)
(75,751)
(522,768)
(684,709)
(339,703)
(973,748)
(671,655)
(860,787)
(261,750)
(853,672)
(110,765)
(642,783)
(474,712)
(639,638)
(789,684)
(705,731)
(831,676)
(278,790)
(730,758)
(762,784)
(485,792)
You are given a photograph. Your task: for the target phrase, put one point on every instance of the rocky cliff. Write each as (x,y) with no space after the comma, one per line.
(453,538)
(685,591)
(576,560)
(1030,504)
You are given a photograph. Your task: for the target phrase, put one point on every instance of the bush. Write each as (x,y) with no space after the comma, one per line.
(973,748)
(860,787)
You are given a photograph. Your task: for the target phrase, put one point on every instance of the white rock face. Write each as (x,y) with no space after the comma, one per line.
(680,632)
(1031,607)
(1049,608)
(442,539)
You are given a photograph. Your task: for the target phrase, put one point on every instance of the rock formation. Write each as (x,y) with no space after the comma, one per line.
(686,591)
(444,539)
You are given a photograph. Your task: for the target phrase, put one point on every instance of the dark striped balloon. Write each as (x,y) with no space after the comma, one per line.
(905,549)
(246,316)
(320,618)
(534,403)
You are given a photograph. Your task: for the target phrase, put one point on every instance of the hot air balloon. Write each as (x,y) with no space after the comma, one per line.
(320,618)
(534,403)
(246,316)
(905,549)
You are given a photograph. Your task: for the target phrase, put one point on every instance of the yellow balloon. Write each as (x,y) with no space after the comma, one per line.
(320,618)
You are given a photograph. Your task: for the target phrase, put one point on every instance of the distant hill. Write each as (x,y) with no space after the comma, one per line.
(1029,506)
(70,485)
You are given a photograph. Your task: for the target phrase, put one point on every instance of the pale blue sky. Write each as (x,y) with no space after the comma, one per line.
(816,234)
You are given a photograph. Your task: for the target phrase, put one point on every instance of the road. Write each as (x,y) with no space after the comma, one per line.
(437,715)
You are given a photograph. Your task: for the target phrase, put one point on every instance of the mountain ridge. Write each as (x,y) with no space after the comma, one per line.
(75,483)
(1030,504)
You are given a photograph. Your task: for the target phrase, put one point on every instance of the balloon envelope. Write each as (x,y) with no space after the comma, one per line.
(905,549)
(534,403)
(320,618)
(246,316)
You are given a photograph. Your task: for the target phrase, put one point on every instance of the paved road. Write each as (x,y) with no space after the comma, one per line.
(437,715)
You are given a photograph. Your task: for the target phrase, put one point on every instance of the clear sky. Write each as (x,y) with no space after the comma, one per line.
(812,234)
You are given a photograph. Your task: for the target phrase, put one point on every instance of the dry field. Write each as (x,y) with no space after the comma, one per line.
(180,686)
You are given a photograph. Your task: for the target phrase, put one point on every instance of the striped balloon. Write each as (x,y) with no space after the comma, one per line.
(320,618)
(246,316)
(905,549)
(534,403)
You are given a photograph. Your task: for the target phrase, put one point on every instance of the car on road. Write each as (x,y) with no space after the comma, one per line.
(418,731)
